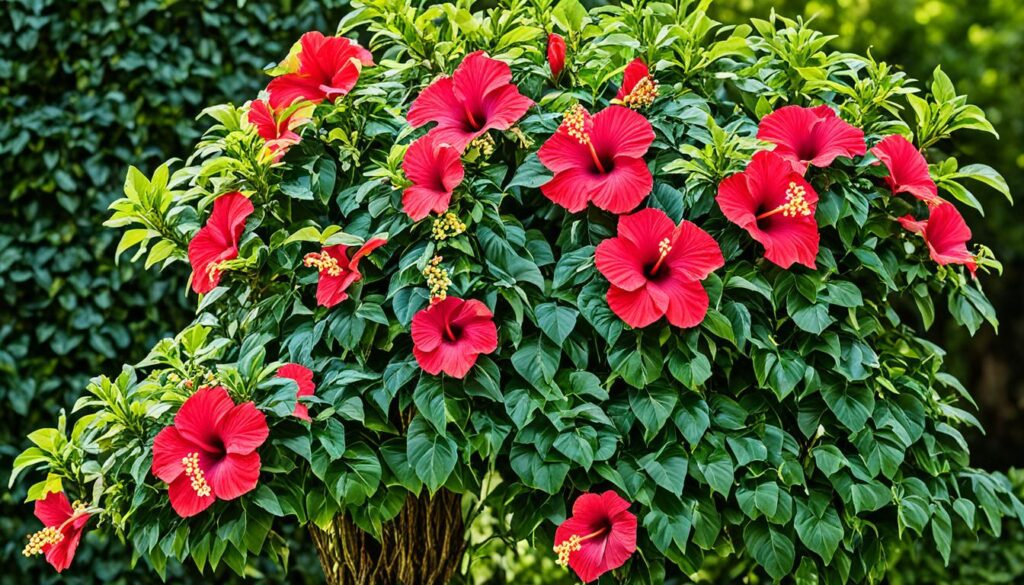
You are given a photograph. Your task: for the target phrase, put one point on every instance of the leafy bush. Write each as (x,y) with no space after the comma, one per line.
(785,412)
(87,88)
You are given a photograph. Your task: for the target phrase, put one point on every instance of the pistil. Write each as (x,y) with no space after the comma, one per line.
(664,247)
(469,115)
(796,203)
(575,124)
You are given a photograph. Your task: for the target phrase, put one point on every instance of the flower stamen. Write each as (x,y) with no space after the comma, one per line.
(48,536)
(573,544)
(664,247)
(195,473)
(796,203)
(643,94)
(575,124)
(323,263)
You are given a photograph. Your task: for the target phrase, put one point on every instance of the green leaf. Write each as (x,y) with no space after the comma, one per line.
(818,526)
(653,405)
(556,322)
(537,362)
(429,399)
(770,547)
(433,455)
(668,469)
(852,404)
(718,470)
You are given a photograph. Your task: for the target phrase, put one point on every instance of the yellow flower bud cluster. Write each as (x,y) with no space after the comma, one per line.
(438,280)
(447,226)
(484,143)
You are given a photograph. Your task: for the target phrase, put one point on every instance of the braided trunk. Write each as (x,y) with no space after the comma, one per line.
(423,545)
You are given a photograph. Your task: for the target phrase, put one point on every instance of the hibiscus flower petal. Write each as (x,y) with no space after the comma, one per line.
(437,103)
(504,107)
(218,239)
(261,117)
(330,290)
(620,262)
(908,169)
(61,554)
(625,187)
(185,501)
(687,303)
(646,228)
(479,75)
(53,509)
(789,240)
(947,235)
(562,153)
(243,429)
(589,562)
(169,448)
(364,251)
(570,189)
(736,201)
(637,308)
(199,416)
(695,254)
(286,89)
(833,137)
(418,202)
(621,541)
(479,334)
(632,75)
(621,132)
(234,475)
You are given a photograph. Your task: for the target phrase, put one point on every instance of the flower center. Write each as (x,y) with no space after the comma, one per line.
(213,270)
(573,544)
(796,203)
(323,263)
(664,247)
(51,535)
(196,475)
(575,124)
(643,93)
(469,116)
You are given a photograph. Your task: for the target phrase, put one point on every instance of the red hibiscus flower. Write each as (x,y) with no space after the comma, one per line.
(599,536)
(327,68)
(337,271)
(655,268)
(479,96)
(810,136)
(776,206)
(435,170)
(600,159)
(63,525)
(302,376)
(217,241)
(556,54)
(946,234)
(638,86)
(908,170)
(209,453)
(276,130)
(448,335)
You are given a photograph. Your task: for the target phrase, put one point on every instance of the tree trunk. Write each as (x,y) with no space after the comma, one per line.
(423,545)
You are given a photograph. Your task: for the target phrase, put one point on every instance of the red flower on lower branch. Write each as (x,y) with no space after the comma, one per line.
(217,241)
(450,334)
(599,159)
(810,136)
(655,268)
(302,376)
(776,206)
(946,234)
(599,536)
(63,525)
(277,130)
(209,453)
(337,271)
(479,96)
(435,169)
(908,169)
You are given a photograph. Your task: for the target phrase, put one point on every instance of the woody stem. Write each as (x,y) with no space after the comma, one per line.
(593,155)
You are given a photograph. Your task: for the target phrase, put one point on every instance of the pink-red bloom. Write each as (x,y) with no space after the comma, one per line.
(209,453)
(810,136)
(655,268)
(302,376)
(556,54)
(638,86)
(599,159)
(599,537)
(338,271)
(908,170)
(276,128)
(946,234)
(217,241)
(450,334)
(327,68)
(776,206)
(478,97)
(63,525)
(435,169)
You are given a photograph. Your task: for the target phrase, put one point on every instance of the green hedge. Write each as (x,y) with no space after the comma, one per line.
(87,88)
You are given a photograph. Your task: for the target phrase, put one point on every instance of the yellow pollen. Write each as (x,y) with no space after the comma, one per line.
(664,247)
(214,270)
(485,144)
(796,203)
(575,124)
(43,538)
(643,94)
(447,226)
(573,544)
(195,473)
(323,263)
(437,280)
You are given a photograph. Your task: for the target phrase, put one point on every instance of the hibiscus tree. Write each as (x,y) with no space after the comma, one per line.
(217,241)
(325,68)
(450,334)
(945,233)
(600,536)
(810,136)
(338,271)
(655,268)
(776,206)
(209,453)
(478,97)
(599,159)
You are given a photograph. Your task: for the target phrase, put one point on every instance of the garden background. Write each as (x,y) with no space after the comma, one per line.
(91,86)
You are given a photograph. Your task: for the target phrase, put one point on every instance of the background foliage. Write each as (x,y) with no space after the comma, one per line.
(90,87)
